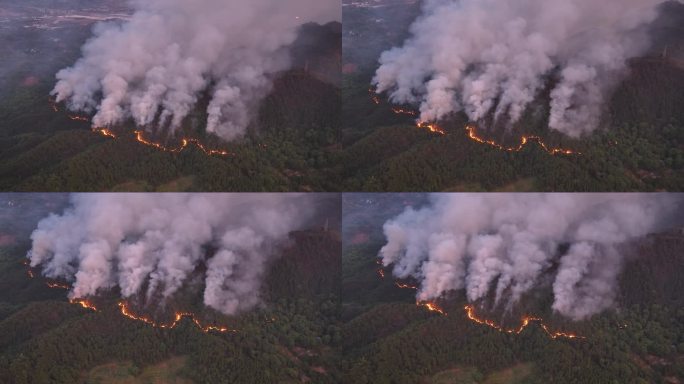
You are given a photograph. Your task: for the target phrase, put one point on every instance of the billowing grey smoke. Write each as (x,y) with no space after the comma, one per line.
(495,55)
(155,66)
(505,243)
(156,241)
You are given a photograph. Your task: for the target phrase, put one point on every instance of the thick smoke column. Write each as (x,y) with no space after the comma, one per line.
(155,66)
(155,242)
(506,243)
(496,55)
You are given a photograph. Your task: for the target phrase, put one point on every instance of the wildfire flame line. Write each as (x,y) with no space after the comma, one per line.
(472,134)
(127,312)
(431,306)
(85,304)
(434,128)
(525,321)
(185,142)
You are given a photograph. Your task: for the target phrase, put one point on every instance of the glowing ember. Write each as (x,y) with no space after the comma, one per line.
(57,285)
(126,311)
(30,273)
(405,286)
(402,111)
(381,272)
(525,321)
(79,118)
(374,96)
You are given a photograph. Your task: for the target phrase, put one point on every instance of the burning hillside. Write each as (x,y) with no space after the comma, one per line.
(154,245)
(501,247)
(230,52)
(492,58)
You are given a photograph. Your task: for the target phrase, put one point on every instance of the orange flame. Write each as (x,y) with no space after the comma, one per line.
(381,272)
(525,139)
(525,321)
(470,313)
(105,132)
(84,303)
(140,138)
(184,144)
(434,128)
(126,311)
(431,306)
(472,134)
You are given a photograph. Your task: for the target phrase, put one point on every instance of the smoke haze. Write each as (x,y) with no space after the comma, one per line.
(505,243)
(155,67)
(484,56)
(152,243)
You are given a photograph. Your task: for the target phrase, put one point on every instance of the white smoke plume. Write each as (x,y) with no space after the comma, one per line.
(482,56)
(506,243)
(156,242)
(155,66)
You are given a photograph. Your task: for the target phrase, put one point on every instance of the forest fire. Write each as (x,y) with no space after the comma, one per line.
(434,128)
(402,111)
(139,137)
(84,303)
(472,134)
(29,270)
(525,321)
(405,286)
(126,311)
(78,118)
(525,139)
(57,285)
(431,306)
(105,132)
(381,273)
(185,142)
(374,96)
(470,313)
